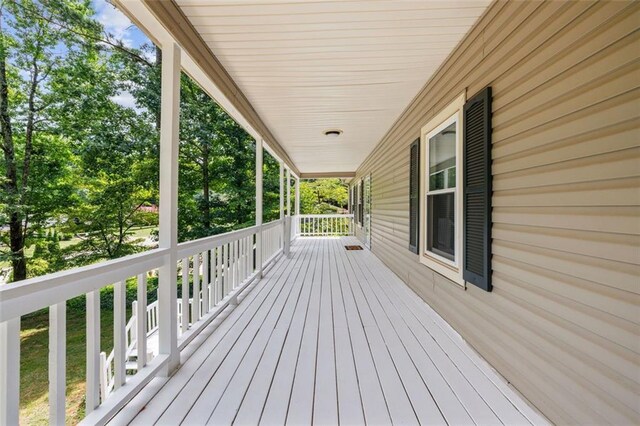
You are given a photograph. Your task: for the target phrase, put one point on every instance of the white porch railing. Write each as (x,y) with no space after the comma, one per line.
(215,271)
(107,376)
(311,225)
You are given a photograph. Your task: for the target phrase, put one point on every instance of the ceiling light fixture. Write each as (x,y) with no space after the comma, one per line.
(333,133)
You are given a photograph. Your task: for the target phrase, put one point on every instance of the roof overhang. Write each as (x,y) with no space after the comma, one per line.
(288,70)
(163,23)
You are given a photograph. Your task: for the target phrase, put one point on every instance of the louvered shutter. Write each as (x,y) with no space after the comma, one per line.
(350,199)
(362,202)
(477,190)
(414,195)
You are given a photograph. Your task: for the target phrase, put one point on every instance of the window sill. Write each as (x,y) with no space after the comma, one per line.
(448,271)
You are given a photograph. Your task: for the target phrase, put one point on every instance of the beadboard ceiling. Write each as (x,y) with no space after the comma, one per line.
(309,66)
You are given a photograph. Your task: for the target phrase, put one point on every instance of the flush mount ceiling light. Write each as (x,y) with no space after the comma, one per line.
(333,133)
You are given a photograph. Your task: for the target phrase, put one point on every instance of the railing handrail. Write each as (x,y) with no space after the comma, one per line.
(189,248)
(37,293)
(318,225)
(217,280)
(269,225)
(338,215)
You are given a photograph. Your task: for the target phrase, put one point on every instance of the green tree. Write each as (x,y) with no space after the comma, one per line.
(217,157)
(28,56)
(323,196)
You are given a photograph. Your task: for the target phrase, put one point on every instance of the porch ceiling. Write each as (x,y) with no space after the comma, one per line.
(311,66)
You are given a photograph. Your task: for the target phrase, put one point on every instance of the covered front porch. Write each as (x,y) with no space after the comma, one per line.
(328,336)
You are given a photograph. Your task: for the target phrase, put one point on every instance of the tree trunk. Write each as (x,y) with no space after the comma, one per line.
(16,236)
(206,208)
(159,67)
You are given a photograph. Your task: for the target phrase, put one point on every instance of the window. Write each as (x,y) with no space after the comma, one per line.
(455,223)
(441,192)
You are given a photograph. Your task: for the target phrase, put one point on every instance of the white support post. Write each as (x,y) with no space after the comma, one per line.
(258,207)
(288,186)
(167,282)
(93,351)
(9,372)
(141,322)
(57,362)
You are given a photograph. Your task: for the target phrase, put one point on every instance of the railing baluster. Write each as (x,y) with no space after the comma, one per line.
(232,265)
(105,374)
(256,243)
(239,271)
(245,272)
(205,282)
(247,262)
(185,295)
(236,268)
(141,325)
(196,287)
(10,371)
(119,336)
(225,272)
(93,351)
(57,363)
(220,290)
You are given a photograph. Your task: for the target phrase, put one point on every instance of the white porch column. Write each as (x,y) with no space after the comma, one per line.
(288,186)
(9,372)
(259,207)
(281,189)
(167,283)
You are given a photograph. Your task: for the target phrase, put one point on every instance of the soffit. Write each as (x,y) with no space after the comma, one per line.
(309,66)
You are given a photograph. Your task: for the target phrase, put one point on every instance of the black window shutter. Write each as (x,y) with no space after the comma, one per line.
(477,190)
(351,199)
(361,207)
(414,195)
(355,203)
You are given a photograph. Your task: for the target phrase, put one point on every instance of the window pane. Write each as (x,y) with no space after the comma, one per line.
(442,158)
(441,224)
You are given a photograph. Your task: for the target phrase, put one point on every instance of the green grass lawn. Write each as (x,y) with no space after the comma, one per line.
(34,341)
(34,338)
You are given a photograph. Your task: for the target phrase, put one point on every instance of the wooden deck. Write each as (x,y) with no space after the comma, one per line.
(330,337)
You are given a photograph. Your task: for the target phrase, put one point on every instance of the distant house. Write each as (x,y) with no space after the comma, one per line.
(151,208)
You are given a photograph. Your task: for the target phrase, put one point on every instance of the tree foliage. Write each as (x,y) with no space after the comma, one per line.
(78,160)
(323,196)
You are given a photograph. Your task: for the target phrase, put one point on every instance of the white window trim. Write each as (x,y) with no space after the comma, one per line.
(451,113)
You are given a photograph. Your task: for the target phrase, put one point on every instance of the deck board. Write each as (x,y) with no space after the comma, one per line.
(328,337)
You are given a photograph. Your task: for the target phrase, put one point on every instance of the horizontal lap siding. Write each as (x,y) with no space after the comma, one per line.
(563,321)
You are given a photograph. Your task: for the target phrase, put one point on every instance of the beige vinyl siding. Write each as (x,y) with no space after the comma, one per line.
(562,324)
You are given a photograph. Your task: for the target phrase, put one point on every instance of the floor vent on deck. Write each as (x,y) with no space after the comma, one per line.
(353,247)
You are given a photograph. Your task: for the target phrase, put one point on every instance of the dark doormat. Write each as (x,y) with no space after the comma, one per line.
(353,247)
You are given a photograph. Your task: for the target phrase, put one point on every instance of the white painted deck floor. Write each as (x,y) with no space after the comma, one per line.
(330,337)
